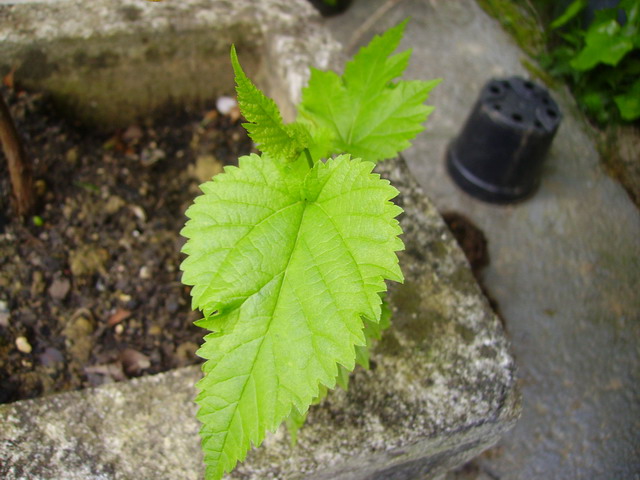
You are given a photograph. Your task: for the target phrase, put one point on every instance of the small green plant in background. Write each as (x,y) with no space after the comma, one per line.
(288,254)
(602,61)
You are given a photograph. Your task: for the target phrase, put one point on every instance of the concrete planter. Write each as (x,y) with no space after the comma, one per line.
(328,8)
(107,63)
(443,387)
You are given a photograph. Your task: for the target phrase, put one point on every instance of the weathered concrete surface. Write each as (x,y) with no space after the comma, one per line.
(144,428)
(565,265)
(442,390)
(110,63)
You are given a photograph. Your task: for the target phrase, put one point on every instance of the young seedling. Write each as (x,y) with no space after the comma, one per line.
(288,253)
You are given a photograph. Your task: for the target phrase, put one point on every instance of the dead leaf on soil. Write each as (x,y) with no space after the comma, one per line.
(111,370)
(8,79)
(133,361)
(120,315)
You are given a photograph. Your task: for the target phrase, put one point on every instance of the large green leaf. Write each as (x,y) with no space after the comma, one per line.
(284,263)
(365,113)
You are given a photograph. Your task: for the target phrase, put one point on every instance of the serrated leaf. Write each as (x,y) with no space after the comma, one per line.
(265,126)
(372,331)
(369,116)
(374,66)
(284,265)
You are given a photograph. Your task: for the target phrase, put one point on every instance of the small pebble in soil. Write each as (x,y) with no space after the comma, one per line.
(185,352)
(87,260)
(4,319)
(155,330)
(37,283)
(72,155)
(78,332)
(59,289)
(124,298)
(113,204)
(144,273)
(139,212)
(225,104)
(151,155)
(205,168)
(51,356)
(23,345)
(134,362)
(132,134)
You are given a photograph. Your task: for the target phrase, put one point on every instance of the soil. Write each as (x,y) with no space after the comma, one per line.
(90,287)
(473,243)
(471,239)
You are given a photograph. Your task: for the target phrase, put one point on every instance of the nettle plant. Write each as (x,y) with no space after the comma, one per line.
(288,253)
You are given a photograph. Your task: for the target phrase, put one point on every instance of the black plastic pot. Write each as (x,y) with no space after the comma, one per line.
(331,7)
(499,153)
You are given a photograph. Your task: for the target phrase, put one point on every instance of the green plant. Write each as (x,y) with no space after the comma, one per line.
(289,252)
(601,62)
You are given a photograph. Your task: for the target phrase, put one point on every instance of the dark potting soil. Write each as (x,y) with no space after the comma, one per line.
(473,243)
(90,287)
(471,239)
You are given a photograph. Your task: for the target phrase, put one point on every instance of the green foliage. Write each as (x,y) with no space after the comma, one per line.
(364,112)
(601,62)
(288,253)
(569,14)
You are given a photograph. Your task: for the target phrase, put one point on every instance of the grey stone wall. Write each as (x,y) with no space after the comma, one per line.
(109,63)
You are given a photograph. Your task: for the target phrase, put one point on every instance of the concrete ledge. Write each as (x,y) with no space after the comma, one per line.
(443,384)
(442,390)
(110,63)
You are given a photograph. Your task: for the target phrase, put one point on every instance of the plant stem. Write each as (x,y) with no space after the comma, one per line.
(307,153)
(19,166)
